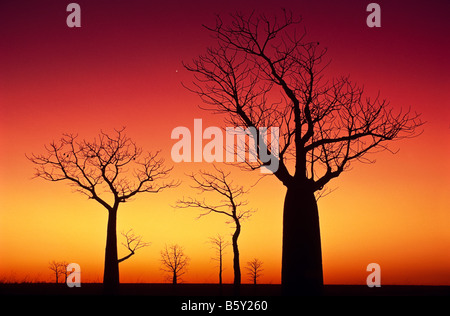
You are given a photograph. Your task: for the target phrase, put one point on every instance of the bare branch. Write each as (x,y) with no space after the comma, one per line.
(219,183)
(132,243)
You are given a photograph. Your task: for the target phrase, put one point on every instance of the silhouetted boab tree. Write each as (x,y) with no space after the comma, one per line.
(255,269)
(133,243)
(263,72)
(113,166)
(174,262)
(230,206)
(219,245)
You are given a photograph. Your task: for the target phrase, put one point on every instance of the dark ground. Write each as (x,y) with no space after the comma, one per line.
(215,290)
(166,299)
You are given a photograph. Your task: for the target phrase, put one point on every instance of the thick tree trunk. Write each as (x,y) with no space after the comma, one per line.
(302,254)
(111,271)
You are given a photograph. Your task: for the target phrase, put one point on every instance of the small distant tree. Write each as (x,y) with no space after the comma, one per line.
(174,262)
(111,170)
(63,265)
(59,269)
(254,268)
(219,244)
(54,266)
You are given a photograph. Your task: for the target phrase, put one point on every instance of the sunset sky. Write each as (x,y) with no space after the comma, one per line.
(123,67)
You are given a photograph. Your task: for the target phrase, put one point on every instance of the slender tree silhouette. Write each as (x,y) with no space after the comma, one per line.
(230,206)
(263,72)
(111,165)
(174,262)
(219,245)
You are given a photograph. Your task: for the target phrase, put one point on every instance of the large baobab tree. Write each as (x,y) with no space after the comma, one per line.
(174,262)
(230,205)
(264,72)
(110,169)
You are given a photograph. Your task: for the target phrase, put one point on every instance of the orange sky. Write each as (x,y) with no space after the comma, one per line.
(123,68)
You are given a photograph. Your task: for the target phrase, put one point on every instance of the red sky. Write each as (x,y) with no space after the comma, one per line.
(123,67)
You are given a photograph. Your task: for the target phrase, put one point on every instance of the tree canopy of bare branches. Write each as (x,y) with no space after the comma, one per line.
(59,269)
(263,72)
(219,183)
(113,164)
